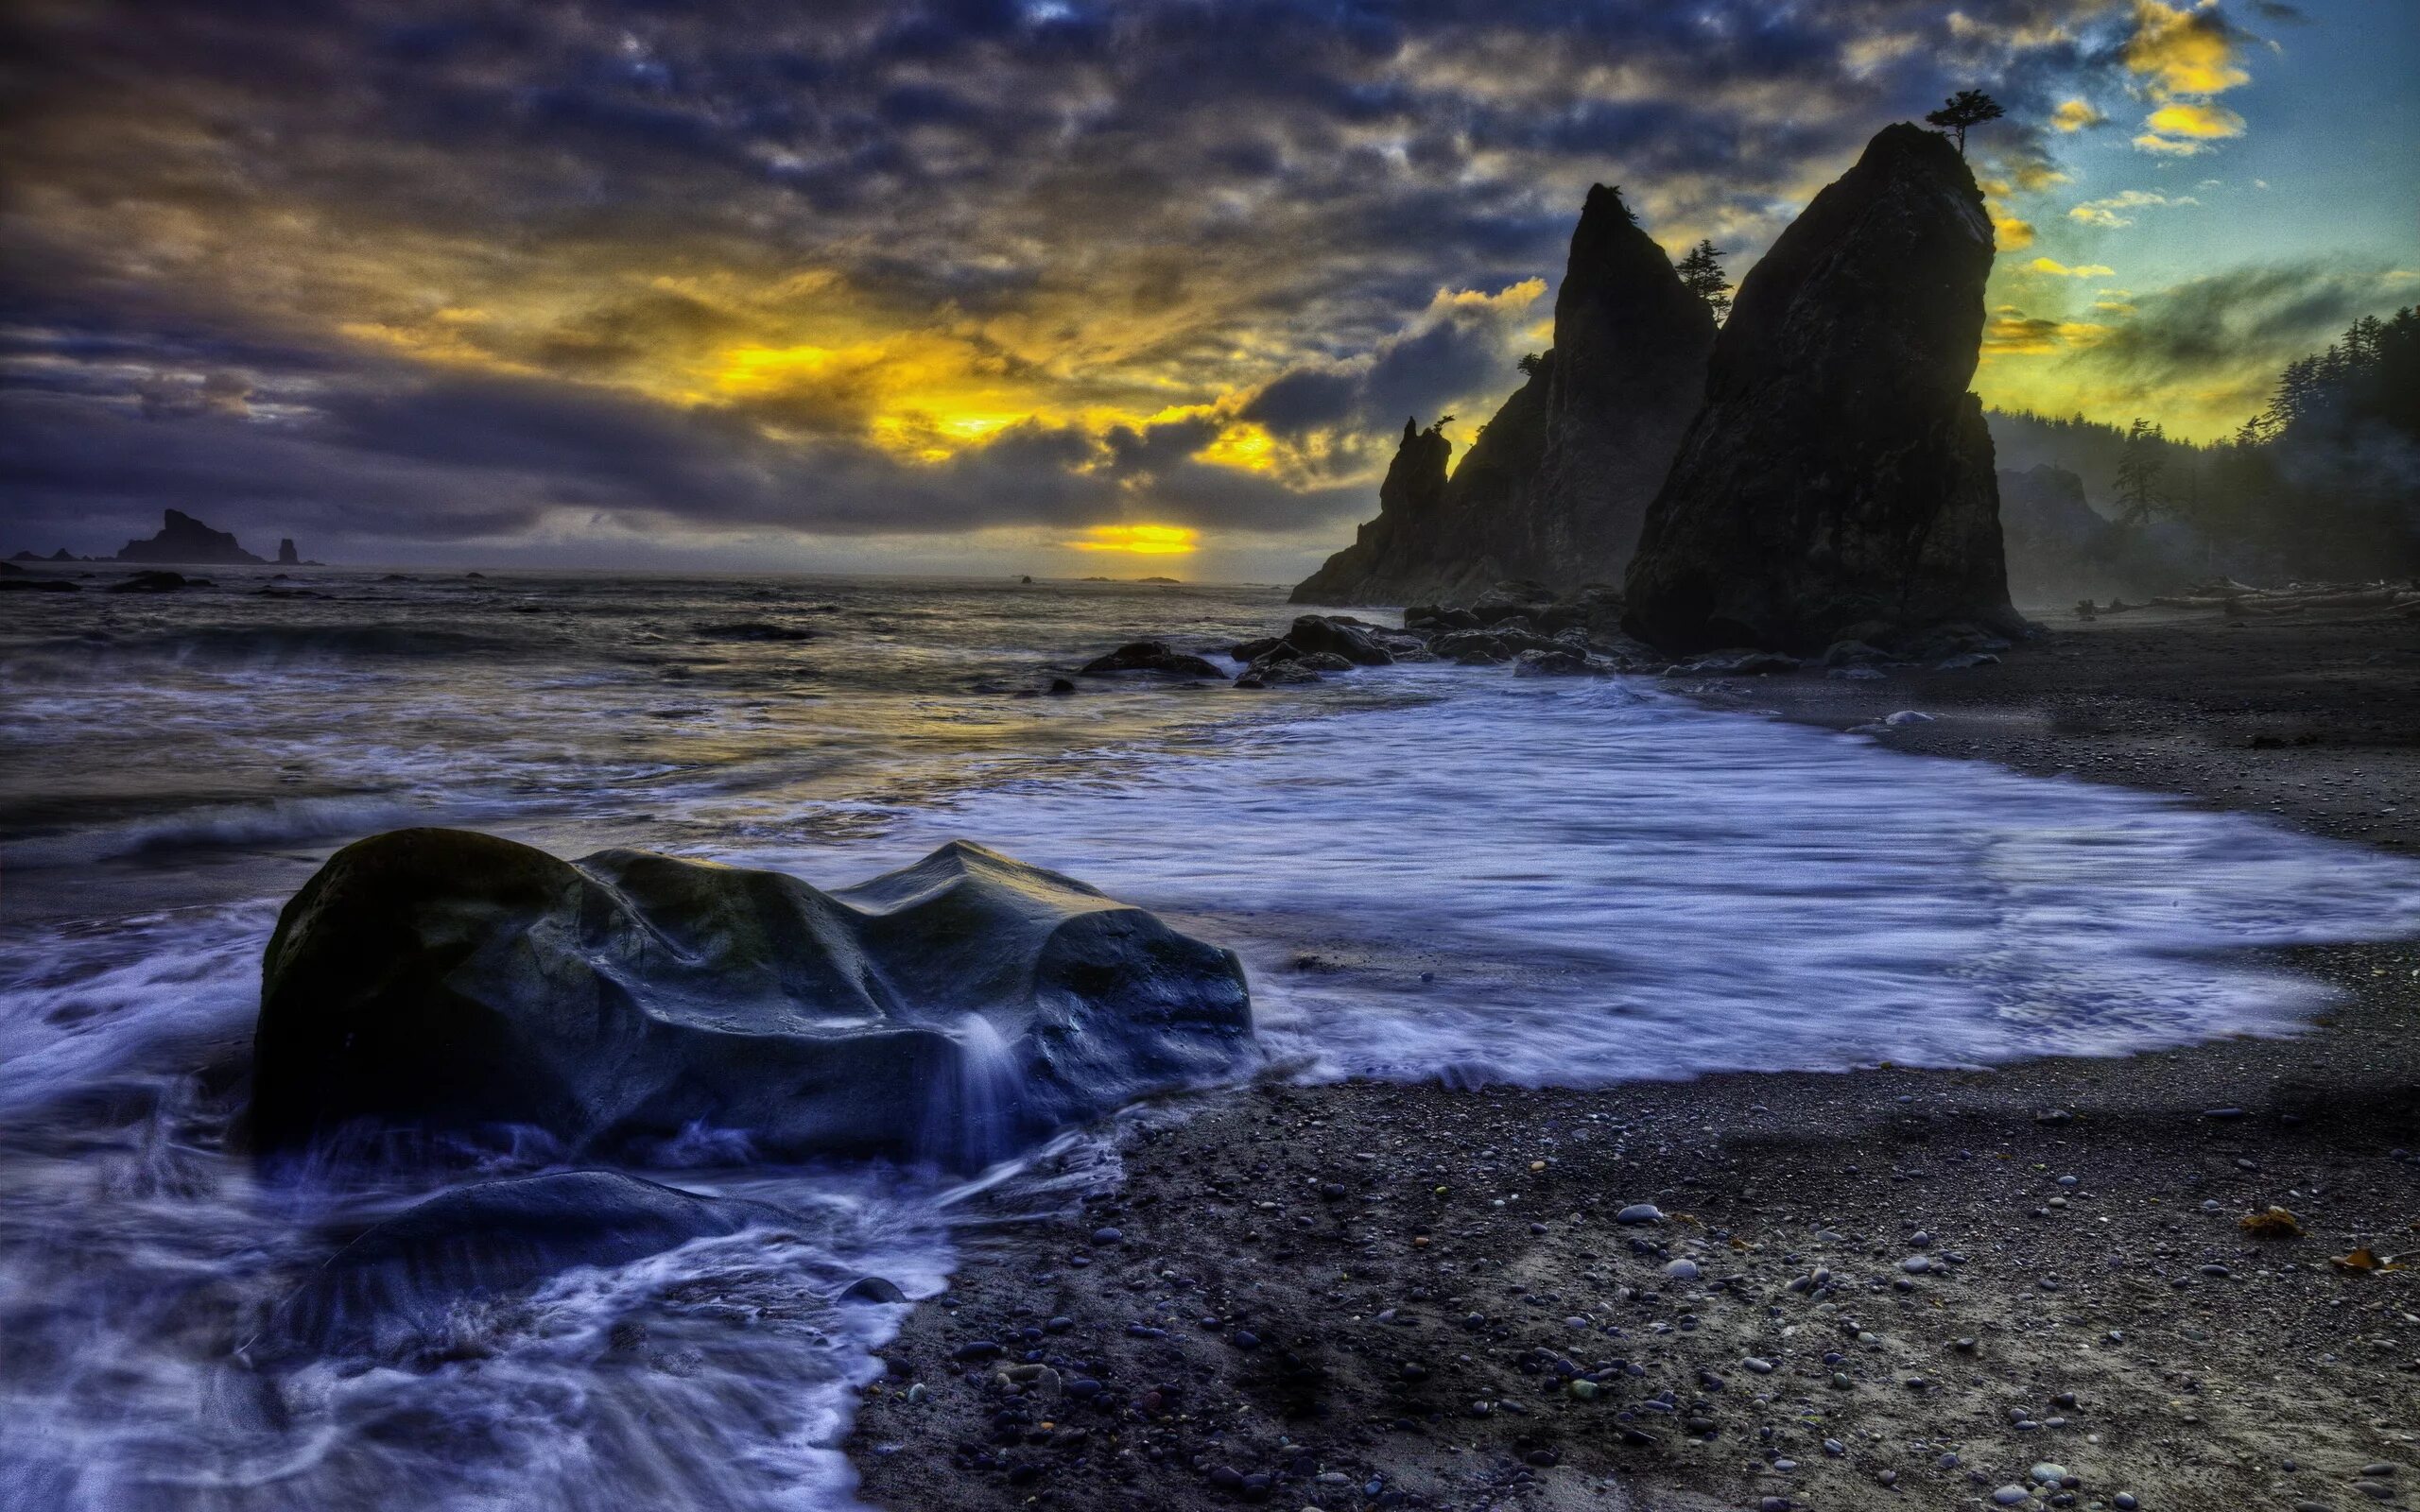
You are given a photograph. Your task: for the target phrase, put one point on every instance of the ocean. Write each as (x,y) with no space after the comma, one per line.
(1430,872)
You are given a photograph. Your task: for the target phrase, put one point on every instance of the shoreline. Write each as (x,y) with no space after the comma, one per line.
(1431,1250)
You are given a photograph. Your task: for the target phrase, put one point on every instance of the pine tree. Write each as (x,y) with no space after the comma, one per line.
(2140,496)
(1968,107)
(1702,275)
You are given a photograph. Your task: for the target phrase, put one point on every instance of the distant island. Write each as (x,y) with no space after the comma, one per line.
(187,540)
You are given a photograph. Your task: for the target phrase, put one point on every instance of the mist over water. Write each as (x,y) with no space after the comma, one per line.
(1598,881)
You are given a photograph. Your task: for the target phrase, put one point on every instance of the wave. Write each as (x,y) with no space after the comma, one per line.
(276,822)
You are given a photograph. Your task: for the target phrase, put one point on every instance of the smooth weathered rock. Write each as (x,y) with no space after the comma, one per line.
(1840,471)
(1555,484)
(1151,656)
(391,1290)
(1313,633)
(450,983)
(183,538)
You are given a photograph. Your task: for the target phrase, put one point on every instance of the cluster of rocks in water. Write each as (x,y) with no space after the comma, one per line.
(435,991)
(1538,632)
(1814,470)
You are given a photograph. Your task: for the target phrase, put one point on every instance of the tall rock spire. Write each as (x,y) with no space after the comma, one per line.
(1631,347)
(1555,484)
(1840,473)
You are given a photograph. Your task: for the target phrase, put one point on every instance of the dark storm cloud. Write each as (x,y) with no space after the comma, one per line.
(2255,319)
(441,268)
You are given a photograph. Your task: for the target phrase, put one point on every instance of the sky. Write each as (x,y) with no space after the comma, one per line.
(1053,286)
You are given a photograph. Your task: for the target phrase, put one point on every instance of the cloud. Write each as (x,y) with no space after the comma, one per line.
(2110,213)
(2202,354)
(2183,56)
(2183,119)
(402,273)
(2011,331)
(2185,50)
(2058,270)
(2075,115)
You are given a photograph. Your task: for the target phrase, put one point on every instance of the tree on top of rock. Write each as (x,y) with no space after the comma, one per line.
(1702,275)
(1968,107)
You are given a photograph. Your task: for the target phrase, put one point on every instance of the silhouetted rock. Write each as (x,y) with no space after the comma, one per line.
(392,1290)
(1151,656)
(156,582)
(1840,471)
(38,585)
(1413,548)
(184,538)
(1316,634)
(286,555)
(1555,484)
(453,983)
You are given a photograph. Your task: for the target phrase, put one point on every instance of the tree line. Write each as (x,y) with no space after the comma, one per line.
(2322,483)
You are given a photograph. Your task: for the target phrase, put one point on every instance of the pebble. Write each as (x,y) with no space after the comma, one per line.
(1640,1213)
(1835,1448)
(1109,1236)
(1916,1265)
(1682,1270)
(2124,1502)
(1758,1365)
(2011,1496)
(2046,1473)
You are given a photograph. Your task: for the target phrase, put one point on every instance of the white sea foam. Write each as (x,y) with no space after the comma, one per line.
(1606,883)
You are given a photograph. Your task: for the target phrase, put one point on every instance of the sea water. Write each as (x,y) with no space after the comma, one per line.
(1430,872)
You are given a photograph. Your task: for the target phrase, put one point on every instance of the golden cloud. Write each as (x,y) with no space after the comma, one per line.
(2111,212)
(2058,270)
(2184,49)
(2184,119)
(2075,115)
(2012,332)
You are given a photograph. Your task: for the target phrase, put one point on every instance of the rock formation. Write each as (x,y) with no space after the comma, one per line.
(286,555)
(1554,487)
(444,982)
(184,538)
(1839,475)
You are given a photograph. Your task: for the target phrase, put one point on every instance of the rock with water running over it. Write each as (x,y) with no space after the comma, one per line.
(453,983)
(1151,656)
(393,1290)
(1839,472)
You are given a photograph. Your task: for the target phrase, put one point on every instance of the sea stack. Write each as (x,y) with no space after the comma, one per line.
(1839,475)
(184,538)
(1554,487)
(286,555)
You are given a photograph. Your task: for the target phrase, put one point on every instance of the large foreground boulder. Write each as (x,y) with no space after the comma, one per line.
(1839,472)
(394,1288)
(446,983)
(1554,487)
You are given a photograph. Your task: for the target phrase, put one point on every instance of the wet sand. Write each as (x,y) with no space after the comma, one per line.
(1885,1289)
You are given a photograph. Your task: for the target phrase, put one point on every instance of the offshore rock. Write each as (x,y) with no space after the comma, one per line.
(1149,656)
(1839,472)
(1554,487)
(184,538)
(449,984)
